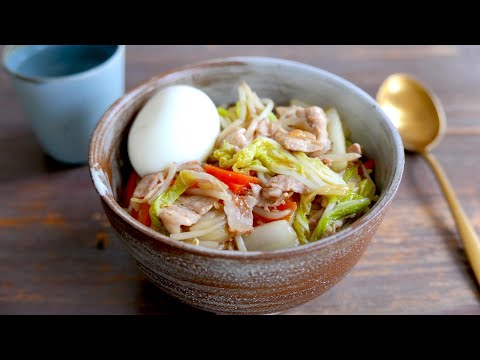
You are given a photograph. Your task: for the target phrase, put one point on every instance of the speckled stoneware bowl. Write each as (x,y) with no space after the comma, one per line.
(256,282)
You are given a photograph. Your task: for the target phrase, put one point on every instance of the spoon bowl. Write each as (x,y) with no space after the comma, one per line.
(415,110)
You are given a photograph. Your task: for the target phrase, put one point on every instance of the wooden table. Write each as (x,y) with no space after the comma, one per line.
(51,220)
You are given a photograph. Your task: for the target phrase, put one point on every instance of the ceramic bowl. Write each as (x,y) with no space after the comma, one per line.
(257,282)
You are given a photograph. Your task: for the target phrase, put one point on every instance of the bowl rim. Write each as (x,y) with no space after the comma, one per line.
(358,226)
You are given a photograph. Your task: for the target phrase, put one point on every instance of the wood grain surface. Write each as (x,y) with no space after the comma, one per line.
(58,254)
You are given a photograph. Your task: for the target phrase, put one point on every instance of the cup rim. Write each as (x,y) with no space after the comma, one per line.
(358,226)
(120,49)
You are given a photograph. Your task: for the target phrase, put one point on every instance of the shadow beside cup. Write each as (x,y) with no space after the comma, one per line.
(64,90)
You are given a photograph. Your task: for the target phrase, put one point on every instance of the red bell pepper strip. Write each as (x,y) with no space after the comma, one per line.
(130,188)
(369,164)
(238,183)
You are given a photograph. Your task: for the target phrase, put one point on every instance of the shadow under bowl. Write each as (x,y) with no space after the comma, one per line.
(256,282)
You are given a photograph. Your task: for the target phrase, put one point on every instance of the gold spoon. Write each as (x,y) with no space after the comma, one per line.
(420,119)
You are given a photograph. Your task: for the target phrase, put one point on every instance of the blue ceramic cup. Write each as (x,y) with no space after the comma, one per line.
(64,90)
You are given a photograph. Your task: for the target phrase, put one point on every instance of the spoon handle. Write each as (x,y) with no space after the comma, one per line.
(464,226)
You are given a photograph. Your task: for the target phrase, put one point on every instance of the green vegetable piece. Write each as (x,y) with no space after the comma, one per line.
(351,174)
(367,188)
(346,206)
(225,113)
(300,223)
(271,116)
(314,167)
(184,180)
(157,225)
(224,154)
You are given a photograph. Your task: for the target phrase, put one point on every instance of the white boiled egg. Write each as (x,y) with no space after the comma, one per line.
(177,125)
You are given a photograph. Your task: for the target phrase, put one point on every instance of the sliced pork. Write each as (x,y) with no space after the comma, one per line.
(279,188)
(355,148)
(176,216)
(298,140)
(239,211)
(311,120)
(237,138)
(148,185)
(199,204)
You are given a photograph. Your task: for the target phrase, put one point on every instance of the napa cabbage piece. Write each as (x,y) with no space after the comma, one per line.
(184,180)
(367,188)
(268,156)
(224,154)
(300,222)
(356,201)
(276,235)
(157,225)
(314,168)
(226,117)
(351,177)
(351,174)
(336,135)
(338,209)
